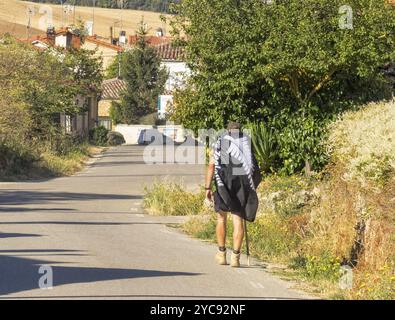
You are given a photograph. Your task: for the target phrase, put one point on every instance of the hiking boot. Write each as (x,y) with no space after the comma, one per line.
(220,257)
(235,260)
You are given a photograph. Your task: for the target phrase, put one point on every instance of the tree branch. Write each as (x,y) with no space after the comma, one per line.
(293,82)
(319,86)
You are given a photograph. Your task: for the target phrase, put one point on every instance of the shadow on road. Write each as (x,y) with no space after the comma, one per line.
(143,175)
(18,235)
(20,274)
(20,210)
(19,197)
(117,163)
(66,223)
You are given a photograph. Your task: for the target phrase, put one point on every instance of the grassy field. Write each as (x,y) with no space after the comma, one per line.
(13,18)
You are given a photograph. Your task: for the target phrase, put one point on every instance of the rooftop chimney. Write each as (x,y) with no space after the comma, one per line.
(122,38)
(159,32)
(51,34)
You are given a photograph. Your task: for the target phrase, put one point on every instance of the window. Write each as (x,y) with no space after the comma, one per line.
(106,123)
(67,124)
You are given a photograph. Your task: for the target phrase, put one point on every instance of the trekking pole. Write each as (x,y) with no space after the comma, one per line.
(247,243)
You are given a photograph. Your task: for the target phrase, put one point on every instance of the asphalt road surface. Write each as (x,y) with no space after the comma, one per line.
(90,232)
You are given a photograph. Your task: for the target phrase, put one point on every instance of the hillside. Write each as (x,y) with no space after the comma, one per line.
(13,18)
(149,5)
(16,29)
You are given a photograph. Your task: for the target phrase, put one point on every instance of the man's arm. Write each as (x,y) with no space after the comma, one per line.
(209,179)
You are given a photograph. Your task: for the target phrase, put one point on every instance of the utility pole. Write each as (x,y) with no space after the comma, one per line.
(119,65)
(61,9)
(74,14)
(121,2)
(93,17)
(30,12)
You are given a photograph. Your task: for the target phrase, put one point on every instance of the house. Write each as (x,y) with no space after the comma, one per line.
(111,91)
(68,38)
(151,40)
(172,59)
(80,124)
(104,49)
(62,38)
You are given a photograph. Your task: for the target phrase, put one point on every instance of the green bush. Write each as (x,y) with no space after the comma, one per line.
(115,138)
(300,139)
(16,159)
(149,119)
(265,145)
(61,144)
(318,267)
(116,113)
(98,136)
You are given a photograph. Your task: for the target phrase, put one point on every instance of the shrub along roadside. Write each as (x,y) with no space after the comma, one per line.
(70,163)
(100,136)
(47,164)
(115,138)
(172,199)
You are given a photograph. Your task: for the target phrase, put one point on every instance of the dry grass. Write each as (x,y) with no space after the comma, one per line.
(364,142)
(13,17)
(69,164)
(17,30)
(172,199)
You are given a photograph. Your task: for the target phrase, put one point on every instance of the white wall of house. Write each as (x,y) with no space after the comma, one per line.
(164,102)
(61,41)
(131,133)
(178,73)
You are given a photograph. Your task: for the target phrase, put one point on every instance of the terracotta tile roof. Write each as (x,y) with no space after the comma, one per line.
(112,89)
(93,39)
(50,39)
(152,40)
(167,51)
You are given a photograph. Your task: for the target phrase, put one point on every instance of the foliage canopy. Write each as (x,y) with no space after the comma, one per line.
(291,64)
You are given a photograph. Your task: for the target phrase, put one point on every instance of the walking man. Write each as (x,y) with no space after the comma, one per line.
(236,175)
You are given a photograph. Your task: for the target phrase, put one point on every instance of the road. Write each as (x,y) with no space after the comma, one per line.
(91,230)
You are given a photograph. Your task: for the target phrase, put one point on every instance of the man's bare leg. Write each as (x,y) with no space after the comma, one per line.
(238,235)
(238,232)
(221,229)
(221,238)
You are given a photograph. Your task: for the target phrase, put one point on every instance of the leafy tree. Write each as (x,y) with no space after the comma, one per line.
(113,70)
(87,74)
(44,84)
(145,80)
(289,64)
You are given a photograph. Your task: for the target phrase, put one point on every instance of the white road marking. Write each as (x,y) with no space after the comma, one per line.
(137,203)
(140,215)
(134,209)
(241,271)
(256,285)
